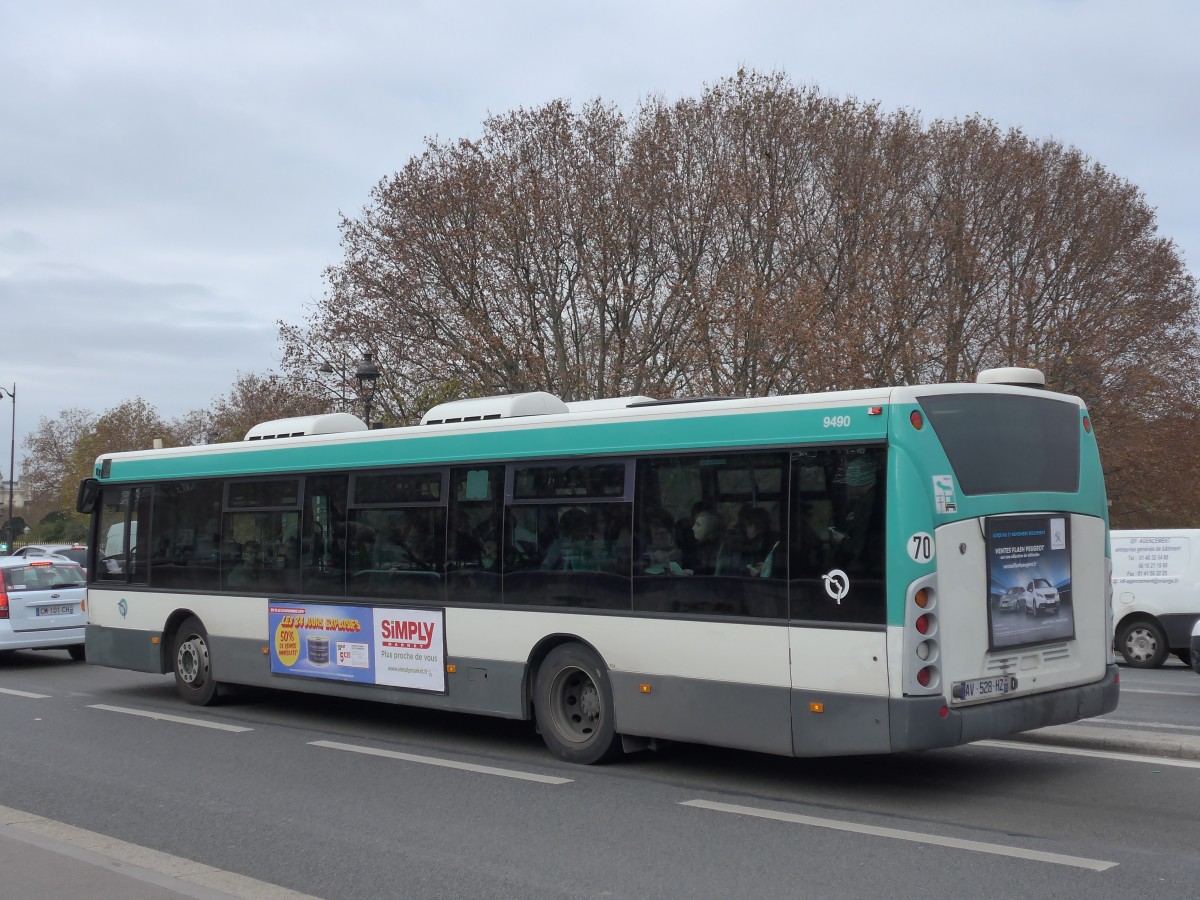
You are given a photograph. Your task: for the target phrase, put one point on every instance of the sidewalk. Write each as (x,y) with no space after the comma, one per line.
(43,858)
(1095,734)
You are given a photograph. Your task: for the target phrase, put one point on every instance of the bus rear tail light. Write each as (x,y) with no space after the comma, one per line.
(922,650)
(917,420)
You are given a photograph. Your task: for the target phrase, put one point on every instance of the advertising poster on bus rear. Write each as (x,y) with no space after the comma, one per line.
(1029,580)
(363,645)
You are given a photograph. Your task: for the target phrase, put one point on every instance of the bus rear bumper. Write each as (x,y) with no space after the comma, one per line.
(917,722)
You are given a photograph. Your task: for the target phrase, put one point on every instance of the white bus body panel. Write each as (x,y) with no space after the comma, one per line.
(962,611)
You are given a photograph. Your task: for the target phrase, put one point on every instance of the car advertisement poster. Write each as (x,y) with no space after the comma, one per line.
(1029,577)
(403,648)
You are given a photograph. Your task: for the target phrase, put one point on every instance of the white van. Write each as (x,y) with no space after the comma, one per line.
(1156,593)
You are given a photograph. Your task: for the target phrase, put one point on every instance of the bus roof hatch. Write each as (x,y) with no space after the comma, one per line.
(1016,376)
(330,423)
(505,406)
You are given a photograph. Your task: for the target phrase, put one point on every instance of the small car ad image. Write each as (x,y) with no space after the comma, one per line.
(1012,600)
(1040,597)
(1029,568)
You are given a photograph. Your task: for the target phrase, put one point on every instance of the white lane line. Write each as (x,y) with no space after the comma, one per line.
(1098,754)
(182,877)
(1080,862)
(1125,690)
(444,763)
(24,694)
(163,717)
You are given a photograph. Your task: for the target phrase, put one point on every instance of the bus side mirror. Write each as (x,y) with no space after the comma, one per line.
(85,500)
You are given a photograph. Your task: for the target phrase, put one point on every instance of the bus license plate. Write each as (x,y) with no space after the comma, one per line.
(983,688)
(55,610)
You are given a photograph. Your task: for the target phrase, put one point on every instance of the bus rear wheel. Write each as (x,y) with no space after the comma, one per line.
(193,663)
(573,705)
(1143,644)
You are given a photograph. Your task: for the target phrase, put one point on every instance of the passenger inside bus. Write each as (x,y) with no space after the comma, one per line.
(850,532)
(752,542)
(404,545)
(572,549)
(246,573)
(662,555)
(708,531)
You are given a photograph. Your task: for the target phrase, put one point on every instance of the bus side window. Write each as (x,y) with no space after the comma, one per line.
(323,569)
(838,496)
(730,535)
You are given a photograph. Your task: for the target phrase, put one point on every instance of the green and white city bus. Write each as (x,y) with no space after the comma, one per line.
(854,572)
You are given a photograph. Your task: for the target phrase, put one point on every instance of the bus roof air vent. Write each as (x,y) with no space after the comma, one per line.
(505,406)
(1016,376)
(330,423)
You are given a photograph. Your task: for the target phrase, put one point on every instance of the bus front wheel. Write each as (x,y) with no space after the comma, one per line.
(1143,644)
(573,705)
(193,663)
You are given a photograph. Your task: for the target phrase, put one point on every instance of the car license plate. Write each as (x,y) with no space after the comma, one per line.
(55,610)
(983,688)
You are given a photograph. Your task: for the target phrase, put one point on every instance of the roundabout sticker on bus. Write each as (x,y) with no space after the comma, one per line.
(365,645)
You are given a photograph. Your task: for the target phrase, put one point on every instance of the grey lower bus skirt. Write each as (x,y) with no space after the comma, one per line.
(750,717)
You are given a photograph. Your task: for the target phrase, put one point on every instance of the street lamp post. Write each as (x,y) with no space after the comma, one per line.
(328,369)
(366,375)
(12,462)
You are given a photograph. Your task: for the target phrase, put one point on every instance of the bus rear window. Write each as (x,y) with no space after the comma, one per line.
(1007,443)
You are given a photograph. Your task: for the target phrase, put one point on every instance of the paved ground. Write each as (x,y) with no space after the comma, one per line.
(41,858)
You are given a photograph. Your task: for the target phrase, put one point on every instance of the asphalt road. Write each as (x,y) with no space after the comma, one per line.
(273,793)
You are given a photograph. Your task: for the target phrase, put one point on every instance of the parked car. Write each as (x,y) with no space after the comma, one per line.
(77,553)
(1040,597)
(42,604)
(39,549)
(1012,599)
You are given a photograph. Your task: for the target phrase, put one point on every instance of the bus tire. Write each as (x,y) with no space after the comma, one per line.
(192,661)
(1142,643)
(78,653)
(573,706)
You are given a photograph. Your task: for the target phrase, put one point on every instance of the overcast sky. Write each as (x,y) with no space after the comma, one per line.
(171,174)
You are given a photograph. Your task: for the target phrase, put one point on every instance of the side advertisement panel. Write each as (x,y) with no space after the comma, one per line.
(403,648)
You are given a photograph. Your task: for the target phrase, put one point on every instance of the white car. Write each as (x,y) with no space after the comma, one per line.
(75,552)
(1040,597)
(42,604)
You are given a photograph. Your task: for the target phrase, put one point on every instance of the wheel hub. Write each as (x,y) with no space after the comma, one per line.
(589,702)
(576,705)
(192,661)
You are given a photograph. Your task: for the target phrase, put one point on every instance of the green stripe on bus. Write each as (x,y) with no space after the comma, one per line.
(699,432)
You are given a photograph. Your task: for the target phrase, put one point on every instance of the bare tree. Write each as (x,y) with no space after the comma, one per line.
(50,449)
(762,238)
